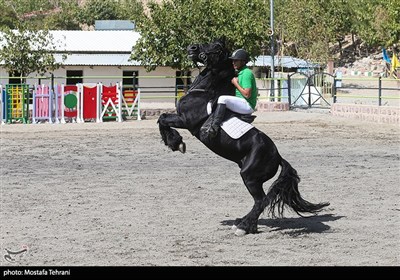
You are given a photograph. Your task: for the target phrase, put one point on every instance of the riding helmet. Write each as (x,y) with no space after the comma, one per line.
(240,54)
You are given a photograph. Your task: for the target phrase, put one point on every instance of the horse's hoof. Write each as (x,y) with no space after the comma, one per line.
(240,232)
(182,147)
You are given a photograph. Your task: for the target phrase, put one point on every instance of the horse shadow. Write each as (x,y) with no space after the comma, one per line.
(295,226)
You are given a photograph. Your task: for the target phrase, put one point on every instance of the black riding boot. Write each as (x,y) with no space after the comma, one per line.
(217,120)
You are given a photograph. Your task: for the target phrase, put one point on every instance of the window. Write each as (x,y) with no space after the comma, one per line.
(74,77)
(13,79)
(130,80)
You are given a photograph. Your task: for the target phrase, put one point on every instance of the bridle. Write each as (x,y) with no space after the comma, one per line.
(205,55)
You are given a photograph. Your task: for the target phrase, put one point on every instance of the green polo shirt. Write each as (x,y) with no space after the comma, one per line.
(247,80)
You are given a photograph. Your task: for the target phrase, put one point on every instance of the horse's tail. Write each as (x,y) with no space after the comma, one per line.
(284,192)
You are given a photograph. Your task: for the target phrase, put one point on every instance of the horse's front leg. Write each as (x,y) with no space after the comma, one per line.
(170,136)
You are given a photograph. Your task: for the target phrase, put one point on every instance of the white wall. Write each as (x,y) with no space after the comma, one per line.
(160,82)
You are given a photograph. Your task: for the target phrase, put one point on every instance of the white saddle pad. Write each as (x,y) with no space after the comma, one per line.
(235,127)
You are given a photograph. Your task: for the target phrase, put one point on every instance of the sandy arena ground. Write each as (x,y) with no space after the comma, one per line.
(112,194)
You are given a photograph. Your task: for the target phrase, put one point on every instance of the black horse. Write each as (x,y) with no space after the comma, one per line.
(255,153)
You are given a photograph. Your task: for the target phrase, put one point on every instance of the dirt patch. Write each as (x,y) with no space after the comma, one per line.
(111,194)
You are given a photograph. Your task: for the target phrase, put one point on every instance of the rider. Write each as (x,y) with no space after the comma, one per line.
(245,99)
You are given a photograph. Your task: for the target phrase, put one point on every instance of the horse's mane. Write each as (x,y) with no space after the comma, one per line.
(216,76)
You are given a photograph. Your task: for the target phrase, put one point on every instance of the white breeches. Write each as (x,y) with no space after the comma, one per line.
(236,104)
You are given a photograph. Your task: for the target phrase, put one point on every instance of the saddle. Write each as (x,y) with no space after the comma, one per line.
(246,118)
(230,114)
(234,124)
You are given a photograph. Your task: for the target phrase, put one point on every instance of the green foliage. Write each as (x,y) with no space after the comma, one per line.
(26,51)
(131,10)
(313,26)
(41,14)
(386,22)
(304,28)
(25,6)
(66,17)
(376,22)
(8,17)
(98,10)
(171,26)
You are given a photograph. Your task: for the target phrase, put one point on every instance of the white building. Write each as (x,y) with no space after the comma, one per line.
(103,56)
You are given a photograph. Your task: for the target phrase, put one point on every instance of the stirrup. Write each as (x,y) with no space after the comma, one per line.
(205,129)
(209,130)
(213,131)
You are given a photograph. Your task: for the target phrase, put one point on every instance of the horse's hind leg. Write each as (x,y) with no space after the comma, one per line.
(258,168)
(248,224)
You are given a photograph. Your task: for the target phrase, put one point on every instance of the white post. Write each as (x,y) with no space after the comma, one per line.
(98,112)
(100,107)
(78,103)
(34,103)
(57,105)
(119,93)
(139,118)
(62,104)
(50,104)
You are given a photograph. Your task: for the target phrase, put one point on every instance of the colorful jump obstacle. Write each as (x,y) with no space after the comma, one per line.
(111,105)
(17,103)
(131,103)
(117,104)
(89,103)
(81,103)
(42,104)
(68,103)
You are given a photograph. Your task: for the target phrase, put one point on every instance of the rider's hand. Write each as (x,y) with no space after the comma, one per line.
(235,81)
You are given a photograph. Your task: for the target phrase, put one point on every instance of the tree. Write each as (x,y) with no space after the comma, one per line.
(169,27)
(64,17)
(302,22)
(37,14)
(22,7)
(313,27)
(386,23)
(8,17)
(131,10)
(309,29)
(98,10)
(377,22)
(25,51)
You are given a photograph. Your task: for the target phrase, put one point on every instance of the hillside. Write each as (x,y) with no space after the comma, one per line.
(356,59)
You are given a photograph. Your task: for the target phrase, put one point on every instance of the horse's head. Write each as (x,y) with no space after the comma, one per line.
(216,77)
(210,55)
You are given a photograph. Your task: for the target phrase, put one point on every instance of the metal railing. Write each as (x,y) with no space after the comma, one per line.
(369,90)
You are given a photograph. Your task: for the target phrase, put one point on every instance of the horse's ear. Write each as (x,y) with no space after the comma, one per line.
(223,40)
(220,40)
(227,43)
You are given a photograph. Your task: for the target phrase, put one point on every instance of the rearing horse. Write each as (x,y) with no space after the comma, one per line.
(254,152)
